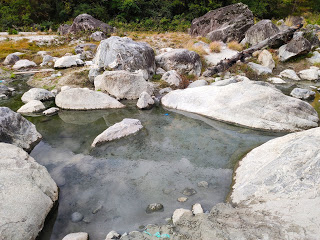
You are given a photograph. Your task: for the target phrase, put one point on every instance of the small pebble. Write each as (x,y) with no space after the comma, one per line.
(154,207)
(203,184)
(182,199)
(97,209)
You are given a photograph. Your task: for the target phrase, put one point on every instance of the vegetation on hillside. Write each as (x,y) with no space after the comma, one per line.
(159,15)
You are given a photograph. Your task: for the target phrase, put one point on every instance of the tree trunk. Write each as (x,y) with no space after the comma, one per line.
(281,37)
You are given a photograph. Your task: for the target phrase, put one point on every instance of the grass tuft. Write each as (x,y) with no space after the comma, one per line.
(215,47)
(234,45)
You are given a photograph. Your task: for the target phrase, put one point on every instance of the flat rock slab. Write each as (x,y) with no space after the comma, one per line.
(17,130)
(119,130)
(85,99)
(282,178)
(27,194)
(251,104)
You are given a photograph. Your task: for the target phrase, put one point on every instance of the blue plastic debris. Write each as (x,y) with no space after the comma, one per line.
(157,234)
(166,114)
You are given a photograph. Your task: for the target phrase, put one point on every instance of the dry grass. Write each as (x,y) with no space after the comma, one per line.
(198,49)
(215,47)
(234,45)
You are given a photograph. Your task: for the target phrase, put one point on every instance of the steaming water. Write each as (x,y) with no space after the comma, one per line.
(112,185)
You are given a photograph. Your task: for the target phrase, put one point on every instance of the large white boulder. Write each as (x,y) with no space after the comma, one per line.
(23,64)
(251,104)
(17,130)
(181,60)
(32,106)
(68,61)
(85,99)
(123,84)
(281,178)
(125,54)
(27,194)
(119,130)
(37,94)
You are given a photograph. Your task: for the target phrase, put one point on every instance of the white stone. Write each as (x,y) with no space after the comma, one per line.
(66,62)
(32,106)
(197,208)
(198,83)
(51,111)
(76,236)
(252,104)
(160,71)
(85,99)
(113,235)
(27,194)
(119,130)
(24,64)
(309,74)
(172,77)
(145,101)
(37,94)
(304,94)
(265,58)
(290,74)
(203,184)
(123,84)
(178,213)
(276,80)
(281,178)
(315,58)
(259,69)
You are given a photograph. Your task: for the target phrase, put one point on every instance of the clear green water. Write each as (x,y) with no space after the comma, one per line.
(121,178)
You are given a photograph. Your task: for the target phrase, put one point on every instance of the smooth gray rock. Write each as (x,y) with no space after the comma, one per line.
(224,24)
(181,60)
(76,236)
(87,23)
(145,101)
(297,46)
(11,59)
(172,77)
(85,99)
(98,36)
(33,106)
(93,72)
(123,84)
(289,74)
(303,94)
(125,54)
(37,94)
(23,64)
(76,217)
(198,83)
(260,31)
(259,69)
(282,179)
(246,103)
(17,130)
(27,194)
(119,130)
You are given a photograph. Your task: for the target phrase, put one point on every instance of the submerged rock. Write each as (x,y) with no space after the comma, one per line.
(181,60)
(33,106)
(189,192)
(154,207)
(76,217)
(85,99)
(17,130)
(39,94)
(123,84)
(77,236)
(251,104)
(125,54)
(119,130)
(224,24)
(27,194)
(304,94)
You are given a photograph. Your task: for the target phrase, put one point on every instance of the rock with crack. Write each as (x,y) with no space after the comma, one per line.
(123,84)
(224,24)
(297,46)
(181,60)
(251,104)
(119,130)
(118,53)
(303,94)
(17,130)
(282,179)
(85,99)
(33,106)
(260,31)
(172,77)
(27,194)
(37,94)
(145,101)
